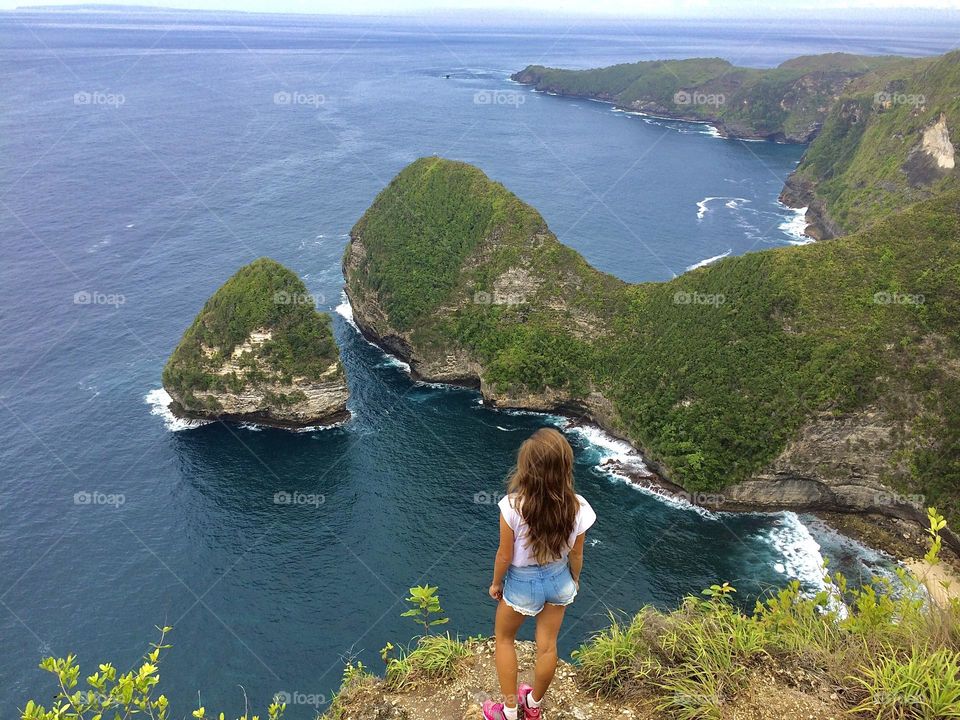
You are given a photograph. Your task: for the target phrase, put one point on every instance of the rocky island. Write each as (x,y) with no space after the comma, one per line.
(791,378)
(259,351)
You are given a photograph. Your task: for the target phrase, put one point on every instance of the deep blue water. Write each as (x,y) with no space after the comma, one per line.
(181,168)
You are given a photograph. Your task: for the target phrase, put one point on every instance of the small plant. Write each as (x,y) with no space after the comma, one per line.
(937,523)
(426,607)
(436,657)
(355,675)
(719,592)
(114,696)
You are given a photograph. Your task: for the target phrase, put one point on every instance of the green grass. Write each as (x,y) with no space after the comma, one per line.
(261,295)
(882,652)
(434,657)
(712,388)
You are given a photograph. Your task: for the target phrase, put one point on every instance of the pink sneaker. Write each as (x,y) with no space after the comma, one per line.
(528,713)
(494,711)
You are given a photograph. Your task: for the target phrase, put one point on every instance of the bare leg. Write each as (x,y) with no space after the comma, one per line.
(505,631)
(548,627)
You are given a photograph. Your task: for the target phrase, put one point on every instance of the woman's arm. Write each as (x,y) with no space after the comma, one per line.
(503,560)
(576,558)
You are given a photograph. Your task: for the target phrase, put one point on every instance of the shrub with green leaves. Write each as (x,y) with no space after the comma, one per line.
(112,696)
(426,608)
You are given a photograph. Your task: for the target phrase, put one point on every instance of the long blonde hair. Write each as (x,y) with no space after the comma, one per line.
(542,484)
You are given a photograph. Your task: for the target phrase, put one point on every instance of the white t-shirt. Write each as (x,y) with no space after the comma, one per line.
(522,555)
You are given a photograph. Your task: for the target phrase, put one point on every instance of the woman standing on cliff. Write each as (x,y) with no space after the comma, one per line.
(543,523)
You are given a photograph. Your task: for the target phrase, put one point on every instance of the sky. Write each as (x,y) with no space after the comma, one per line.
(601,8)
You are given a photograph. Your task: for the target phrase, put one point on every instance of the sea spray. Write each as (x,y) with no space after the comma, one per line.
(795,225)
(159,401)
(802,559)
(709,260)
(703,206)
(345,310)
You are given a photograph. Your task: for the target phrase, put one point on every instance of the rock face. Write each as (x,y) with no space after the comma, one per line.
(936,143)
(259,352)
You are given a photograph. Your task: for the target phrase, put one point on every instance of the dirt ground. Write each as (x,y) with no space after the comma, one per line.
(767,697)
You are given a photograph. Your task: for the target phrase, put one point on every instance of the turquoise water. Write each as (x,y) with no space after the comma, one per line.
(180,168)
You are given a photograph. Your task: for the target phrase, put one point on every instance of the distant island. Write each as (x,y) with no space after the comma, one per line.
(259,351)
(792,378)
(878,127)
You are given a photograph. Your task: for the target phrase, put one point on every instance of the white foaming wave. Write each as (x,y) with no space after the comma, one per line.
(345,310)
(620,452)
(392,361)
(732,202)
(557,421)
(709,260)
(658,493)
(609,447)
(421,383)
(795,227)
(614,453)
(159,401)
(318,428)
(802,559)
(702,127)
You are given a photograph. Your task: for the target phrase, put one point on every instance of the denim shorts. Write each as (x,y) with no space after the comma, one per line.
(527,589)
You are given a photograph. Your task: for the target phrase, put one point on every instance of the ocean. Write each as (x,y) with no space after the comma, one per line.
(144,157)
